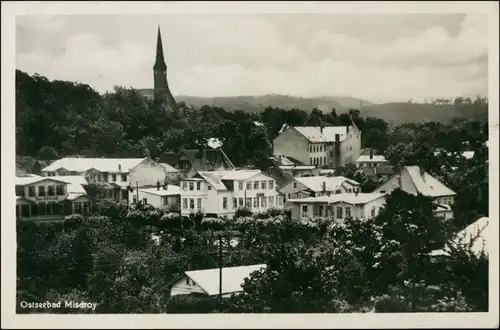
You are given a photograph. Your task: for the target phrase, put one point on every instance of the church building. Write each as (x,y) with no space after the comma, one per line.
(161,92)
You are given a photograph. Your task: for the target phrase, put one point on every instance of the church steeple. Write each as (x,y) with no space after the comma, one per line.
(160,60)
(161,91)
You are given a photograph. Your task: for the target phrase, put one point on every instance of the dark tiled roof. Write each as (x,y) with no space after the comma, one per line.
(279,175)
(295,161)
(380,170)
(207,159)
(26,161)
(385,170)
(170,158)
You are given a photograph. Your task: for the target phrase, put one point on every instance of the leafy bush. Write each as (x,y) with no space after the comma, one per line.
(242,212)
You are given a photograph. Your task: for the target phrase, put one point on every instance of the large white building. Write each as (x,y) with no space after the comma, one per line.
(338,207)
(315,186)
(114,175)
(330,146)
(50,198)
(221,193)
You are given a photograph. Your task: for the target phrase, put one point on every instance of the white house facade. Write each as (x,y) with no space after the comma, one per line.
(315,186)
(114,175)
(159,197)
(370,161)
(222,193)
(338,207)
(43,198)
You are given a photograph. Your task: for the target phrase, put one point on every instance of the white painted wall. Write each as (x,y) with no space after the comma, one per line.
(147,173)
(213,200)
(293,144)
(185,285)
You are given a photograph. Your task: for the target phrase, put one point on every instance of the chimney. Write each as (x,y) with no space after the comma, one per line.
(324,186)
(321,128)
(422,173)
(336,149)
(158,185)
(119,168)
(371,153)
(356,190)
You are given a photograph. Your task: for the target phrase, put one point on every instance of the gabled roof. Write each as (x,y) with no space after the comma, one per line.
(171,190)
(26,161)
(232,278)
(315,183)
(286,161)
(426,184)
(110,165)
(168,158)
(23,181)
(378,170)
(315,134)
(208,159)
(350,198)
(168,168)
(374,159)
(215,178)
(75,183)
(476,234)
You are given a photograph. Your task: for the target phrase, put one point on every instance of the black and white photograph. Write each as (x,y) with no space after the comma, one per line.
(287,159)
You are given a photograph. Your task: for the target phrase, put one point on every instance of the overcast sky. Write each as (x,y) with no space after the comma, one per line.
(375,57)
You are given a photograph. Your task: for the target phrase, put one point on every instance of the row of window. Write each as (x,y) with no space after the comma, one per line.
(328,193)
(446,200)
(339,214)
(255,185)
(192,185)
(255,202)
(104,178)
(62,173)
(317,161)
(43,209)
(317,148)
(43,191)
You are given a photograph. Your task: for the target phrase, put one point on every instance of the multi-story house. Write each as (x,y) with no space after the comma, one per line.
(115,176)
(163,197)
(414,180)
(338,207)
(49,198)
(370,160)
(330,146)
(222,193)
(189,162)
(315,186)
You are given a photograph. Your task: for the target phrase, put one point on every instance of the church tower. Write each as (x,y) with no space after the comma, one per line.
(161,90)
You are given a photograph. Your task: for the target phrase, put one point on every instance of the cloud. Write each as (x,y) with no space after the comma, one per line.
(245,55)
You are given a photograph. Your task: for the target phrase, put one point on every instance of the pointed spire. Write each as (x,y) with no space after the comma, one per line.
(160,60)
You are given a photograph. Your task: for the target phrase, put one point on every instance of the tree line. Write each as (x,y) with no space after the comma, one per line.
(381,264)
(60,118)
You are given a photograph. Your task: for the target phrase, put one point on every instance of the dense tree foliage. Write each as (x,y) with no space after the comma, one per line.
(59,118)
(380,264)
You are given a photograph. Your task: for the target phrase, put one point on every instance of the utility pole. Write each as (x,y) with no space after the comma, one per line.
(137,190)
(220,272)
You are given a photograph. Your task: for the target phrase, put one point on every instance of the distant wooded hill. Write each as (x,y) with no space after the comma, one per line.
(394,112)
